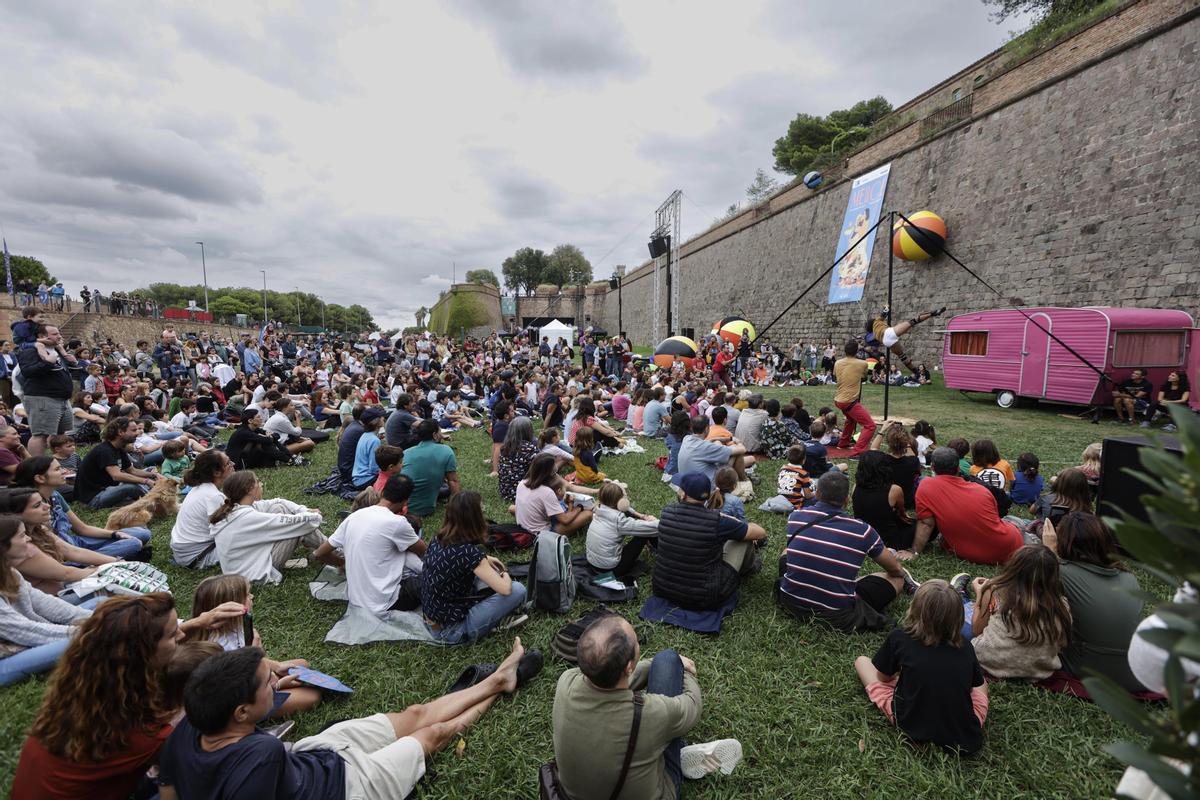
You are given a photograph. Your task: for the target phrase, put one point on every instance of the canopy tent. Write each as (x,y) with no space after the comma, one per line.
(554,329)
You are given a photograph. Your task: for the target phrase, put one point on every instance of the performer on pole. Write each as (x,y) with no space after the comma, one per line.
(880,334)
(850,370)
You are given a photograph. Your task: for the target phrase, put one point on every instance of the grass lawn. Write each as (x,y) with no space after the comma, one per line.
(787,690)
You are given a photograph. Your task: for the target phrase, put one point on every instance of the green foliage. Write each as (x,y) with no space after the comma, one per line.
(762,187)
(228,306)
(808,136)
(228,301)
(523,270)
(567,266)
(484,276)
(1168,546)
(28,268)
(1042,9)
(1059,21)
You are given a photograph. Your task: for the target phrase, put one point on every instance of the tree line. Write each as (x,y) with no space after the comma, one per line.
(284,307)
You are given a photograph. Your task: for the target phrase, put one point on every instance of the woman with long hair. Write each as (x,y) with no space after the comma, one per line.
(586,415)
(103,719)
(516,453)
(255,538)
(1175,391)
(87,422)
(1103,595)
(1071,492)
(45,475)
(42,562)
(35,627)
(539,500)
(192,543)
(906,467)
(464,592)
(879,502)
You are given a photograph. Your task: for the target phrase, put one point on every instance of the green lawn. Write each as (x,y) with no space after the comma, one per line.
(787,690)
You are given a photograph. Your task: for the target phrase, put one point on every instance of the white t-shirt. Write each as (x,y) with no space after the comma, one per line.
(280,427)
(223,373)
(181,420)
(192,533)
(535,507)
(375,544)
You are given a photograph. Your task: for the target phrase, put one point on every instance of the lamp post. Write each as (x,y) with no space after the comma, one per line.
(297,288)
(615,283)
(204,272)
(322,313)
(265,314)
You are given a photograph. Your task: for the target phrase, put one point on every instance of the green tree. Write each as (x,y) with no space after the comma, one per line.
(808,136)
(567,266)
(29,269)
(484,276)
(1041,8)
(228,306)
(524,270)
(761,187)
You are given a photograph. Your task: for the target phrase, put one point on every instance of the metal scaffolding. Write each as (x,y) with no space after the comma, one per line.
(667,222)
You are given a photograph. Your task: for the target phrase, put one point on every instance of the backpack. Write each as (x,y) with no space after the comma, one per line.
(506,536)
(551,576)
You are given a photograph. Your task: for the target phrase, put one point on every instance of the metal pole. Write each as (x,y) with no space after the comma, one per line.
(670,329)
(265,314)
(887,364)
(322,313)
(620,324)
(204,271)
(297,288)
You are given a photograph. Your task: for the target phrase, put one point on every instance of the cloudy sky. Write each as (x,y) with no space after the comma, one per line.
(361,150)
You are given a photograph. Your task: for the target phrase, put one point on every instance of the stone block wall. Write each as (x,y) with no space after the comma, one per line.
(1078,194)
(92,328)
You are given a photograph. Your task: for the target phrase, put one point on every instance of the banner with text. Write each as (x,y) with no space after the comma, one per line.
(862,211)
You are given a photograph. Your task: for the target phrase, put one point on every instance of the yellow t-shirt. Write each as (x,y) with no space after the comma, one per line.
(849,372)
(1001,465)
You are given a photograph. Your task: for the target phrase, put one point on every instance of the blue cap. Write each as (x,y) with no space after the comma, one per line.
(695,485)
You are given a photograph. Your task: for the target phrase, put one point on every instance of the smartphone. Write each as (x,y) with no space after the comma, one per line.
(247,629)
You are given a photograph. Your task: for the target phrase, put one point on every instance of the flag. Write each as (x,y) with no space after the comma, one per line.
(8,268)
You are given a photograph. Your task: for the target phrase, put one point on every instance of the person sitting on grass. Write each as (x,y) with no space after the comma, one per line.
(219,751)
(925,678)
(62,447)
(106,476)
(825,549)
(256,539)
(717,432)
(380,552)
(284,425)
(390,460)
(1027,481)
(250,448)
(794,483)
(776,436)
(365,469)
(677,432)
(703,555)
(587,465)
(538,504)
(607,548)
(429,465)
(879,502)
(986,456)
(750,424)
(456,570)
(726,481)
(614,691)
(1019,620)
(192,544)
(699,454)
(175,459)
(516,453)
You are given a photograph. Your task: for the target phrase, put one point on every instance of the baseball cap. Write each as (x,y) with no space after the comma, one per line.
(695,485)
(371,414)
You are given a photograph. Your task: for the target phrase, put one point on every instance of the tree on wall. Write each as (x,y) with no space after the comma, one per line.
(1041,8)
(762,187)
(810,137)
(567,266)
(524,269)
(483,276)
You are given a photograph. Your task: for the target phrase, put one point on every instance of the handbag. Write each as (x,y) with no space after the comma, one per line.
(549,787)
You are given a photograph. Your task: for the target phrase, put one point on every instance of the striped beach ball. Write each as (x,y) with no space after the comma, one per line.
(921,238)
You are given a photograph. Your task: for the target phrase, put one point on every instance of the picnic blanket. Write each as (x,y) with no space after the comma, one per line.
(333,485)
(658,609)
(630,446)
(359,626)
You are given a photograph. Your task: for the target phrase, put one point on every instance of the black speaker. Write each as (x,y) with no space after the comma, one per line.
(659,246)
(1118,489)
(689,333)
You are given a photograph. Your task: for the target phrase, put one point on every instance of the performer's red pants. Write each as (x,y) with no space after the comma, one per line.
(856,412)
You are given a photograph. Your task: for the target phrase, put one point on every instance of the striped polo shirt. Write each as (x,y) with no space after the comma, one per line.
(823,560)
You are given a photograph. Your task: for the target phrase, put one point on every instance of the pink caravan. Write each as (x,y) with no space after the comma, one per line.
(1005,353)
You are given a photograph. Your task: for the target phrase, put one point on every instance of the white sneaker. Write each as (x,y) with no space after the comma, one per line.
(698,760)
(666,478)
(296,563)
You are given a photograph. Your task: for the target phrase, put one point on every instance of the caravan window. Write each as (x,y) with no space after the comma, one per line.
(1148,348)
(968,343)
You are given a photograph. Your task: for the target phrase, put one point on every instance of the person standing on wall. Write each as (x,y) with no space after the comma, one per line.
(850,370)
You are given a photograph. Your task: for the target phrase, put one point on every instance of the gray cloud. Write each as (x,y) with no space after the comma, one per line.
(564,39)
(100,196)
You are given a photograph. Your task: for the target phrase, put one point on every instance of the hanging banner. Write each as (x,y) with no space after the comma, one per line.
(862,211)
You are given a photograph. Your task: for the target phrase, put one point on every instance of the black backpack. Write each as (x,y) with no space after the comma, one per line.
(565,643)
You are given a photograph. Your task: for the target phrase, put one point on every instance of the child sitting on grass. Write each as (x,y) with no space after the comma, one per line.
(832,432)
(962,447)
(1020,620)
(175,459)
(63,447)
(550,441)
(291,696)
(985,456)
(587,468)
(1027,483)
(794,484)
(925,678)
(607,548)
(1091,465)
(390,460)
(727,480)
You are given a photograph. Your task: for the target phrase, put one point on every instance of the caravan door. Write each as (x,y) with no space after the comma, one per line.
(1035,356)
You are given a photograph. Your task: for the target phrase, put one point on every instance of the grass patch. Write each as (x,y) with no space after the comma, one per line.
(1053,28)
(787,690)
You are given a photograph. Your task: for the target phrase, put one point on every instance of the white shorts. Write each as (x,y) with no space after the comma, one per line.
(890,337)
(378,765)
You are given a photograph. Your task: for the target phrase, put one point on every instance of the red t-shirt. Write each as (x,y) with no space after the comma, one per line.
(721,361)
(7,459)
(968,519)
(41,775)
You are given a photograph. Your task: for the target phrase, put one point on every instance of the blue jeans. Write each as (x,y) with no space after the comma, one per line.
(117,548)
(153,459)
(117,495)
(166,436)
(666,678)
(42,658)
(968,613)
(482,617)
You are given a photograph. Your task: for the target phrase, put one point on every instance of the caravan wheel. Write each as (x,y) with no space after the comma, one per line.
(1006,398)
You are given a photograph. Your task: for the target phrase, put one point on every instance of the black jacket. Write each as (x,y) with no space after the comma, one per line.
(689,569)
(41,379)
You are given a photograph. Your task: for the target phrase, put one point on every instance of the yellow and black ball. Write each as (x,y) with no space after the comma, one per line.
(922,237)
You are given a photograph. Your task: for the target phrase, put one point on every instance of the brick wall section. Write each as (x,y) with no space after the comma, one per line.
(580,306)
(1082,193)
(91,328)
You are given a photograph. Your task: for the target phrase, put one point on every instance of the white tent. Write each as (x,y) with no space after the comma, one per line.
(554,329)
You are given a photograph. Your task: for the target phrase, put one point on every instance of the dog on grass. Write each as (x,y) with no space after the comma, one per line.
(161,501)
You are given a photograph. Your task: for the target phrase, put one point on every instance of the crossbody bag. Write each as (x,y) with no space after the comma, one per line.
(549,787)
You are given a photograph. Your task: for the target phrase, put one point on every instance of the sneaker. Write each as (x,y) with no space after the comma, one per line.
(514,620)
(1145,423)
(1170,427)
(698,760)
(666,478)
(960,582)
(295,563)
(910,583)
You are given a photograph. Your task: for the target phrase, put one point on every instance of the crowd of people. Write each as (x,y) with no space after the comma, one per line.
(136,688)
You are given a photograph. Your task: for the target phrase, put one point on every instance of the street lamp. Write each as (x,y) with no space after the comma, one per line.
(297,288)
(204,270)
(265,314)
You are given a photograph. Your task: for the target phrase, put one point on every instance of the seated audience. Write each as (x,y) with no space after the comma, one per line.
(516,453)
(192,542)
(607,548)
(365,469)
(175,459)
(702,554)
(49,563)
(106,476)
(284,425)
(12,452)
(1027,481)
(697,453)
(985,456)
(614,691)
(587,463)
(793,482)
(775,435)
(348,445)
(750,424)
(429,464)
(539,503)
(727,481)
(906,467)
(389,460)
(250,448)
(879,502)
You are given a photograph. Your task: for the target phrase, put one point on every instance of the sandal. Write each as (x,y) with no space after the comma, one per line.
(471,675)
